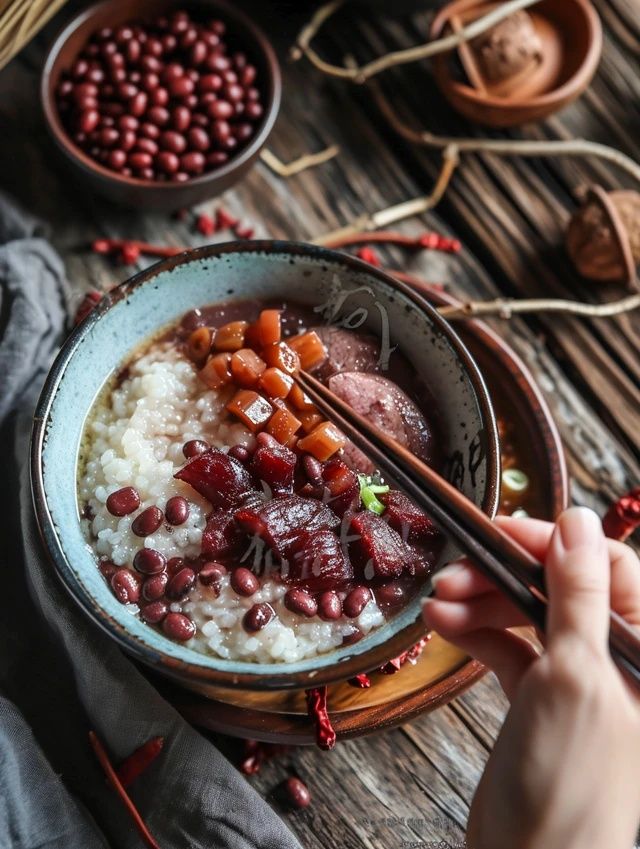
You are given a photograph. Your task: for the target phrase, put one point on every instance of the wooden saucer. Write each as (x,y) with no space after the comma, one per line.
(570,38)
(443,671)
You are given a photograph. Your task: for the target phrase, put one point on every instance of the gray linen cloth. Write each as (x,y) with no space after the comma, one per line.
(59,674)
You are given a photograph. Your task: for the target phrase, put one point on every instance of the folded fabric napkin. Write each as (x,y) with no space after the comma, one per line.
(59,674)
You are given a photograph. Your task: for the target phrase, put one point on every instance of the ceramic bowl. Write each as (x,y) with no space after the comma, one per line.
(571,37)
(138,309)
(146,194)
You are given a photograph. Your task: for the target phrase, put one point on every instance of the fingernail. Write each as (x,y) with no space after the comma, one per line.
(580,527)
(448,571)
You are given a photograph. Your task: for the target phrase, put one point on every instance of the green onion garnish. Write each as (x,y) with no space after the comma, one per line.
(368,492)
(515,480)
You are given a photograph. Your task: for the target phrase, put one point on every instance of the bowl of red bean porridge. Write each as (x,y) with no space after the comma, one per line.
(160,104)
(210,519)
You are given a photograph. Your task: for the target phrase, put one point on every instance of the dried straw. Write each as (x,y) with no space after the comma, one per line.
(20,20)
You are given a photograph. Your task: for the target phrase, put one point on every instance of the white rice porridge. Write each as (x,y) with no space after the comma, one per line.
(135,438)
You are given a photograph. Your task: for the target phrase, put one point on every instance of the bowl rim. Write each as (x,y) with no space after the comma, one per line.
(94,168)
(570,89)
(360,661)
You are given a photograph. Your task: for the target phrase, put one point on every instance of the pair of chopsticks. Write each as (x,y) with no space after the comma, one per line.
(511,568)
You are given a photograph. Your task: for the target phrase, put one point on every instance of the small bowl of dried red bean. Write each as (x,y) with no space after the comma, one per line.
(160,104)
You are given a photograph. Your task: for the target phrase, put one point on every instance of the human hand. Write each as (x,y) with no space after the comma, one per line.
(565,770)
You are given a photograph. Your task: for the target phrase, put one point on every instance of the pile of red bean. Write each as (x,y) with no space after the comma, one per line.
(163,100)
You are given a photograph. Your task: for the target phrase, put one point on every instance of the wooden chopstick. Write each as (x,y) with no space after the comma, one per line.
(513,569)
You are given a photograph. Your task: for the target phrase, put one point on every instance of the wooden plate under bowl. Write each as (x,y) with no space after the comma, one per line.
(442,672)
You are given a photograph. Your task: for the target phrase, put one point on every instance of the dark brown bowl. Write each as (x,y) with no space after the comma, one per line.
(146,194)
(571,36)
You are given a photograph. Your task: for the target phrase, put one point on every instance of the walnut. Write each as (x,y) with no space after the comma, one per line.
(507,49)
(603,236)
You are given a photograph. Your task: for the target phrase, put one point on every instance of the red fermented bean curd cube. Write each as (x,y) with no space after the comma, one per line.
(274,465)
(342,485)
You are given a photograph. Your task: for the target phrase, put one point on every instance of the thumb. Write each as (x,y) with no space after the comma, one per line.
(578,577)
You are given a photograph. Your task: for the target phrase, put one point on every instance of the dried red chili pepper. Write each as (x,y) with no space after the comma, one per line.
(107,246)
(115,782)
(224,219)
(205,225)
(623,517)
(369,255)
(317,709)
(362,681)
(129,253)
(138,761)
(244,232)
(410,656)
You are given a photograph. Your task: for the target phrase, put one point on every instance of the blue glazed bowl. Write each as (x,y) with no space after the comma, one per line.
(159,296)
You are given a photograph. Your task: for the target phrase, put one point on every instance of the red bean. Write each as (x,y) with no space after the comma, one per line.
(88,120)
(258,617)
(170,140)
(220,109)
(150,81)
(178,627)
(247,75)
(353,637)
(133,50)
(128,122)
(79,69)
(154,612)
(147,146)
(169,42)
(149,131)
(180,86)
(138,104)
(180,118)
(181,583)
(239,452)
(253,94)
(117,159)
(234,92)
(153,587)
(296,793)
(198,139)
(217,62)
(167,162)
(356,601)
(329,606)
(149,561)
(210,83)
(107,569)
(159,97)
(211,573)
(127,139)
(174,565)
(220,130)
(194,448)
(123,501)
(243,132)
(200,120)
(125,586)
(150,519)
(217,158)
(127,91)
(158,115)
(84,90)
(230,77)
(109,136)
(198,53)
(188,38)
(153,47)
(253,111)
(392,594)
(244,582)
(193,162)
(65,88)
(172,71)
(301,602)
(177,510)
(123,34)
(139,160)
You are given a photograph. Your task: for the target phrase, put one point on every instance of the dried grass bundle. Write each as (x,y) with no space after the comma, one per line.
(20,20)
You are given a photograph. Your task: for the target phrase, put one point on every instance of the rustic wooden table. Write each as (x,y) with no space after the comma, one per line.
(414,784)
